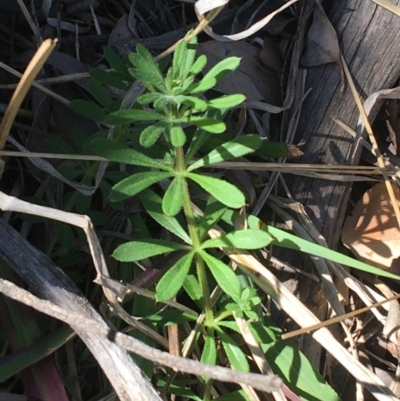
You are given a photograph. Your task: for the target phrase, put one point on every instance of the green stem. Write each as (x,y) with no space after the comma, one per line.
(194,234)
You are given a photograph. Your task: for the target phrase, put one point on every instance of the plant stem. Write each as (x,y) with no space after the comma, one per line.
(194,234)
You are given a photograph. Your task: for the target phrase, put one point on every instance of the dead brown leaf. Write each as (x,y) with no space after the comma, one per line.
(371,232)
(251,79)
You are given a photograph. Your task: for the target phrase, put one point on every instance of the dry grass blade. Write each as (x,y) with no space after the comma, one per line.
(336,319)
(29,75)
(389,6)
(375,147)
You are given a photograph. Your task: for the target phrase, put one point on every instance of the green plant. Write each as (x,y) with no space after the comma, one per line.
(167,138)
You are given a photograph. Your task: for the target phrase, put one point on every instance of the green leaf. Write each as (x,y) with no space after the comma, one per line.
(178,137)
(149,98)
(120,153)
(184,56)
(121,117)
(173,198)
(144,62)
(236,356)
(136,183)
(149,79)
(100,93)
(223,274)
(149,135)
(88,109)
(137,250)
(202,86)
(212,214)
(114,61)
(286,240)
(226,102)
(230,150)
(193,288)
(199,64)
(241,239)
(209,354)
(194,102)
(288,362)
(110,78)
(223,68)
(152,204)
(207,124)
(221,190)
(173,279)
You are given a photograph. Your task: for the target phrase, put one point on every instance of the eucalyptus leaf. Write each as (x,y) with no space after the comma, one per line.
(153,206)
(120,153)
(136,183)
(224,275)
(221,190)
(173,279)
(287,240)
(240,239)
(229,150)
(173,198)
(137,250)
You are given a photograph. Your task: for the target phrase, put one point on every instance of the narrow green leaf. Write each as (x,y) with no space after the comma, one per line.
(110,78)
(149,98)
(100,93)
(236,356)
(121,117)
(224,275)
(136,183)
(173,279)
(179,59)
(199,64)
(138,250)
(193,288)
(173,198)
(209,354)
(88,109)
(223,68)
(178,137)
(149,79)
(150,135)
(207,124)
(202,86)
(153,206)
(230,150)
(120,153)
(226,102)
(114,61)
(221,190)
(212,214)
(194,102)
(241,239)
(288,362)
(286,240)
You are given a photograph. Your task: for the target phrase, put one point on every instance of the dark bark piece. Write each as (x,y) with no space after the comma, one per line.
(369,38)
(50,283)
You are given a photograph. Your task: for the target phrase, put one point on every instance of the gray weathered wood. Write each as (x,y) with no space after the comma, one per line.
(49,282)
(369,38)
